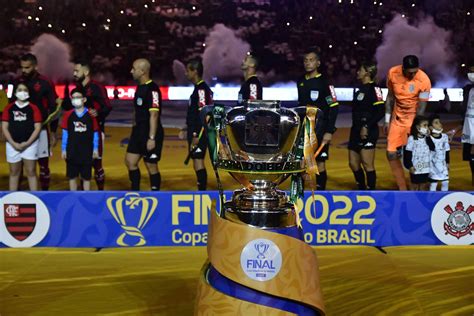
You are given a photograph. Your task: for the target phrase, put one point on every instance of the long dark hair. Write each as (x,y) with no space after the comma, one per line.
(417,121)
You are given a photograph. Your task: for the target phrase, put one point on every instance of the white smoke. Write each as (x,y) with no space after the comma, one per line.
(53,57)
(223,54)
(425,40)
(179,70)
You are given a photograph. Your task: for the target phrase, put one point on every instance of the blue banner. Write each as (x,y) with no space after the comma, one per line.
(126,219)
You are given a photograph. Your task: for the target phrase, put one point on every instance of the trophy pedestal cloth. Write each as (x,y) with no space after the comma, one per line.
(258,262)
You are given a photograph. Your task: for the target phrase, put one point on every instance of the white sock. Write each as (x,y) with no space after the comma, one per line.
(445,185)
(433,186)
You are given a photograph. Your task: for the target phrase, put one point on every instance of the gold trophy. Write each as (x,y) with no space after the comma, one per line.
(258,262)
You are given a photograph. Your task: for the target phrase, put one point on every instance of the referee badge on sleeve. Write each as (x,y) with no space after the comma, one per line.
(360,96)
(314,94)
(139,101)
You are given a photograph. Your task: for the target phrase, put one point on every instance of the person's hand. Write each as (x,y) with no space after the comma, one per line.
(327,137)
(412,170)
(451,134)
(150,144)
(52,139)
(95,154)
(364,132)
(64,155)
(182,134)
(17,146)
(93,112)
(195,140)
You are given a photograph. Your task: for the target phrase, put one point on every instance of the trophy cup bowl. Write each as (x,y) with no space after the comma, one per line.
(258,151)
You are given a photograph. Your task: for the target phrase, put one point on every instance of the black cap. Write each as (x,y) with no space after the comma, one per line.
(410,61)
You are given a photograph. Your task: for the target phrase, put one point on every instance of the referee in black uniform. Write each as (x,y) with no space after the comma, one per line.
(146,139)
(251,89)
(194,131)
(367,109)
(314,90)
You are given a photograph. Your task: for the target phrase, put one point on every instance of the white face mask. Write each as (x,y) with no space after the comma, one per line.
(77,102)
(22,95)
(436,131)
(423,131)
(470,76)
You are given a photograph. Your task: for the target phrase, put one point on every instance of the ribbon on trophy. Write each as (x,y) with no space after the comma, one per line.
(132,200)
(212,117)
(305,149)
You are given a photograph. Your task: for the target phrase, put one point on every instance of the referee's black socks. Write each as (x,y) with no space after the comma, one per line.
(155,181)
(321,180)
(371,179)
(360,179)
(201,175)
(134,176)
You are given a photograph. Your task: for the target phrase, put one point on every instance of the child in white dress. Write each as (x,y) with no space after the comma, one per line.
(439,158)
(416,155)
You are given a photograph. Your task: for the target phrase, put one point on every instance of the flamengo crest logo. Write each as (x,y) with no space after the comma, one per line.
(452,219)
(24,220)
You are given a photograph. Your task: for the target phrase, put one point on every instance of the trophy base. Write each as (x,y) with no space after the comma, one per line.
(266,209)
(250,269)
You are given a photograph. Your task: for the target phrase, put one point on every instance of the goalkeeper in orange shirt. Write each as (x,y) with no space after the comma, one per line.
(408,93)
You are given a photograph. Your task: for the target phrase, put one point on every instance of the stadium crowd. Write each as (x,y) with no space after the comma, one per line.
(114,33)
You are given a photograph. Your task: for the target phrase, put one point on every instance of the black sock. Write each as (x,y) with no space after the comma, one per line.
(371,179)
(360,179)
(321,180)
(155,181)
(134,176)
(471,163)
(201,179)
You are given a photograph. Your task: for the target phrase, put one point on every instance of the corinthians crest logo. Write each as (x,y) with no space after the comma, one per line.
(459,222)
(452,219)
(120,208)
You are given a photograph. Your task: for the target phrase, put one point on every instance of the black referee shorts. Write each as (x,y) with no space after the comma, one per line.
(357,144)
(324,154)
(137,143)
(466,152)
(200,151)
